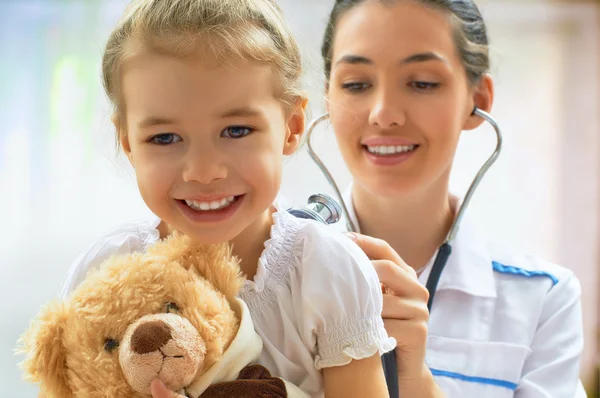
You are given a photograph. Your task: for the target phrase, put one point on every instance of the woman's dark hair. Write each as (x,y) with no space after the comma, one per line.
(470,35)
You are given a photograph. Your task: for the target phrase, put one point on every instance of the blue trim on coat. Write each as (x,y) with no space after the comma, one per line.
(507,269)
(473,379)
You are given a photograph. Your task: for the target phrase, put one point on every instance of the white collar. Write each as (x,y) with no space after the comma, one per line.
(243,350)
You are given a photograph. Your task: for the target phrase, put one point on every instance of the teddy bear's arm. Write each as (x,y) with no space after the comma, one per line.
(254,381)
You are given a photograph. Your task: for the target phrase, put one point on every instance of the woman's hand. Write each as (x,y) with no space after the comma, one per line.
(405,316)
(159,390)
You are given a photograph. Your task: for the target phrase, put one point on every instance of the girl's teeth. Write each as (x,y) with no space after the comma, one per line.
(212,205)
(390,149)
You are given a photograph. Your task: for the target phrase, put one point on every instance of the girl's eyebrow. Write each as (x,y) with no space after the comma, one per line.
(244,111)
(155,121)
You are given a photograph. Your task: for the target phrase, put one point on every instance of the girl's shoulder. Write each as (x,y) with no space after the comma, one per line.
(309,245)
(126,238)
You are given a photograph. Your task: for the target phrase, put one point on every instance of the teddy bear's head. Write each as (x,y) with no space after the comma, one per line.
(165,313)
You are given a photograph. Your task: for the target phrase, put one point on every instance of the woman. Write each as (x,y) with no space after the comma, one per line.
(403,78)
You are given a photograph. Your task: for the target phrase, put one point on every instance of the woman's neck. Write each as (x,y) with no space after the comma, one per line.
(414,225)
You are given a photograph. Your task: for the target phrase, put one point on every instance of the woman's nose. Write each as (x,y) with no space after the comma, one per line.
(387,109)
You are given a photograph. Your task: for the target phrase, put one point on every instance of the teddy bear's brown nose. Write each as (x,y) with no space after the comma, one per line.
(150,336)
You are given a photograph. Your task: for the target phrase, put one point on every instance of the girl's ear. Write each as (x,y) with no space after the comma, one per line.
(295,127)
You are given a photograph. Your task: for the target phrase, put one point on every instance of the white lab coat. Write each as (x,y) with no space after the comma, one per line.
(503,323)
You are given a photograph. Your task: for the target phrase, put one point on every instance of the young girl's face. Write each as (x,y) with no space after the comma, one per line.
(398,95)
(206,141)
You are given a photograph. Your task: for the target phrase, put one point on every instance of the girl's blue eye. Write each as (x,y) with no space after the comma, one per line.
(355,87)
(164,139)
(236,131)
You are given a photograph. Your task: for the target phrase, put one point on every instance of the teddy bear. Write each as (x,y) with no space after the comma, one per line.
(171,312)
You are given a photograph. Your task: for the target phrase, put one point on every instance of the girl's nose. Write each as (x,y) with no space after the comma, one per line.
(204,167)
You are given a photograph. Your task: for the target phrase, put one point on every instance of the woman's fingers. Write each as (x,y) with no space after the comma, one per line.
(391,268)
(380,250)
(401,308)
(375,249)
(410,336)
(399,281)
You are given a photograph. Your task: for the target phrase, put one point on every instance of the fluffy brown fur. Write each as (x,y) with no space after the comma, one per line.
(65,346)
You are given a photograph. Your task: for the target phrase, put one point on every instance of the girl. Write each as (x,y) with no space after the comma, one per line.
(403,79)
(207,102)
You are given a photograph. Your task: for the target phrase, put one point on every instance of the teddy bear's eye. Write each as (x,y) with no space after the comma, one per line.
(171,307)
(110,344)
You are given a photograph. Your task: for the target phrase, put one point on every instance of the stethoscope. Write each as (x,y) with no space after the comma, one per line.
(325,209)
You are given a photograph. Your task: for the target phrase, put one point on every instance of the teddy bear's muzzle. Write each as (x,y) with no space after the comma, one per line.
(164,346)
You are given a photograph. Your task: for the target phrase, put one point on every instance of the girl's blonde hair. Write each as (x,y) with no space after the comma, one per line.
(226,30)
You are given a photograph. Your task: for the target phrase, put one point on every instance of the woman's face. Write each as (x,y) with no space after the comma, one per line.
(398,96)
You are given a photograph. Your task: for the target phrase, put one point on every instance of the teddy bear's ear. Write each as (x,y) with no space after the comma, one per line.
(45,361)
(216,262)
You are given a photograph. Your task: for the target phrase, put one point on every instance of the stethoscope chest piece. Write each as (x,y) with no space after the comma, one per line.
(321,207)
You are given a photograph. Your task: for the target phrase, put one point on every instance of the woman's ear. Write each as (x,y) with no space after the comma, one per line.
(122,136)
(483,99)
(296,124)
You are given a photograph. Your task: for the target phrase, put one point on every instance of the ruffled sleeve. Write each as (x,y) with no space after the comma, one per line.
(341,299)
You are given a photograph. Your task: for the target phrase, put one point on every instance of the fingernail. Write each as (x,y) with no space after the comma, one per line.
(351,235)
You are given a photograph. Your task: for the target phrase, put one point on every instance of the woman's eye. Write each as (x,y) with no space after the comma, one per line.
(110,345)
(355,87)
(164,139)
(171,307)
(236,131)
(424,86)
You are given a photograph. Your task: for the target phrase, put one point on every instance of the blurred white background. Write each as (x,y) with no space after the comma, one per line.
(63,184)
